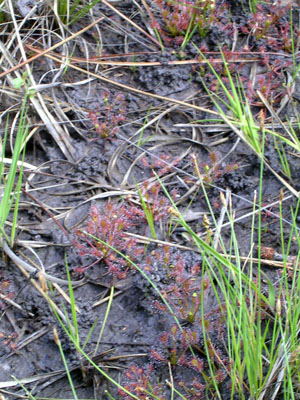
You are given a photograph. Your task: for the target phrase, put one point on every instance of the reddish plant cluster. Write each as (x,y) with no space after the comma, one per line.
(212,170)
(268,83)
(105,121)
(233,60)
(158,205)
(161,165)
(9,340)
(176,344)
(268,30)
(139,383)
(182,16)
(185,294)
(267,23)
(105,231)
(195,391)
(161,257)
(269,87)
(5,290)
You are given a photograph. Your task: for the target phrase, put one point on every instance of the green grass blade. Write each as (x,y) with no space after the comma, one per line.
(111,296)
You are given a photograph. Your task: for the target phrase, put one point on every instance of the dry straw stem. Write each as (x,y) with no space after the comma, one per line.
(130,21)
(31,270)
(270,263)
(97,60)
(37,101)
(55,46)
(42,292)
(131,89)
(182,103)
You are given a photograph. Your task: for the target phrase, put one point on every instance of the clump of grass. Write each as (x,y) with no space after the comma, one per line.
(257,327)
(237,104)
(12,184)
(71,13)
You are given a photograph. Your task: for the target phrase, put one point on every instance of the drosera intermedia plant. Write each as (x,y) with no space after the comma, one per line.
(181,19)
(5,290)
(173,348)
(9,340)
(163,257)
(270,82)
(161,165)
(140,381)
(109,225)
(107,119)
(155,205)
(186,293)
(213,169)
(266,23)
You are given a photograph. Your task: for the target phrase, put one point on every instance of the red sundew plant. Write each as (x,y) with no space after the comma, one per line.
(161,257)
(194,392)
(169,261)
(139,383)
(198,391)
(268,24)
(5,290)
(109,225)
(175,345)
(181,16)
(269,83)
(159,164)
(186,294)
(233,62)
(8,340)
(212,170)
(275,66)
(158,205)
(269,86)
(105,122)
(266,20)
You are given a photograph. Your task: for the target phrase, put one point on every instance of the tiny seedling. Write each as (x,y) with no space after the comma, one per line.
(107,119)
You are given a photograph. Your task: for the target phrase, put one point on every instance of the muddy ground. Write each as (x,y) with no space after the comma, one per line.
(94,170)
